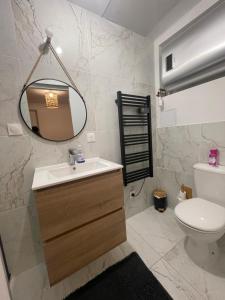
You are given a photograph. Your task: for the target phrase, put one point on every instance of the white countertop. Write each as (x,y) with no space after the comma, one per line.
(61,173)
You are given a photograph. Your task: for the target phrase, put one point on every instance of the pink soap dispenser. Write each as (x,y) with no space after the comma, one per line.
(213,157)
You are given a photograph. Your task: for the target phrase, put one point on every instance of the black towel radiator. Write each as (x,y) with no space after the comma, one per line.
(139,118)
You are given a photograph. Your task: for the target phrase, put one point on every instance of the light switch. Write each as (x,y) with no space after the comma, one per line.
(14,129)
(91,137)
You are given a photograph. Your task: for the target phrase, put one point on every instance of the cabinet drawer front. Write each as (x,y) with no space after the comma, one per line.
(70,205)
(70,252)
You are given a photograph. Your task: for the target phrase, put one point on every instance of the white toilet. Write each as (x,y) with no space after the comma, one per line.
(203,219)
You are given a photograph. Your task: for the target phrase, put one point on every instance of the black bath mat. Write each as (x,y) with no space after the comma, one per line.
(129,279)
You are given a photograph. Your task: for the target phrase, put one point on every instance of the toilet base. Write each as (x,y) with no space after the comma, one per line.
(207,256)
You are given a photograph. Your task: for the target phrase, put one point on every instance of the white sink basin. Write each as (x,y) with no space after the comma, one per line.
(64,170)
(61,173)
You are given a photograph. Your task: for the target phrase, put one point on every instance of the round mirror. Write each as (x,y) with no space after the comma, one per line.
(53,110)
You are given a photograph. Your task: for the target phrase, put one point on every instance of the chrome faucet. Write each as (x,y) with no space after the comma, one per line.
(72,156)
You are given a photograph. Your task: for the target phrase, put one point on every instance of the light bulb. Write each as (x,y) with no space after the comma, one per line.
(59,50)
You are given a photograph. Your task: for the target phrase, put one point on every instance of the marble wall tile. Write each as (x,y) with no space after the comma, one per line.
(68,25)
(142,61)
(29,285)
(16,171)
(168,181)
(102,58)
(134,205)
(28,31)
(10,83)
(213,137)
(8,114)
(7,30)
(179,148)
(106,116)
(9,78)
(108,145)
(111,41)
(171,182)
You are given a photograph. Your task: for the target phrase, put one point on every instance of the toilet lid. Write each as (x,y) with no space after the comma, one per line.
(201,214)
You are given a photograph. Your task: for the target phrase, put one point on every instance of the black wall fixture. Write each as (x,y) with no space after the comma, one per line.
(135,131)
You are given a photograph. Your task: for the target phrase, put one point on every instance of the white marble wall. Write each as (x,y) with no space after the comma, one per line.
(179,148)
(102,59)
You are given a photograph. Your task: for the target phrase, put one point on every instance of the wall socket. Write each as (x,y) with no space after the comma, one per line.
(132,194)
(91,137)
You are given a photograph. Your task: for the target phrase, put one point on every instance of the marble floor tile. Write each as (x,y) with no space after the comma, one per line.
(210,284)
(29,284)
(176,286)
(159,230)
(147,254)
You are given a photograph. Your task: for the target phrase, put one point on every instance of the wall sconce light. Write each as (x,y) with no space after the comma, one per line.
(51,100)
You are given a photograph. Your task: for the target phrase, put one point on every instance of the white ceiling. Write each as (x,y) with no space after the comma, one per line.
(140,16)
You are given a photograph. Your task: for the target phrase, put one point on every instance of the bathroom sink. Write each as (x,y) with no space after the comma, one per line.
(61,173)
(66,170)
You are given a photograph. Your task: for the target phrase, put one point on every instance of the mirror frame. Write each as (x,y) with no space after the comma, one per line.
(69,85)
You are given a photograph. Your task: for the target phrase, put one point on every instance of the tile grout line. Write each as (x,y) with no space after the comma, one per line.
(184,279)
(187,281)
(161,256)
(145,240)
(158,259)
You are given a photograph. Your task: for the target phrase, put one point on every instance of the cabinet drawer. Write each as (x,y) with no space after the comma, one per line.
(64,207)
(70,252)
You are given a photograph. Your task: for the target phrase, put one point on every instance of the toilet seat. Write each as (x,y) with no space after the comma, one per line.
(201,215)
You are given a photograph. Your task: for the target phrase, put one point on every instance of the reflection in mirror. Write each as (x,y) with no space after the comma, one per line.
(53,109)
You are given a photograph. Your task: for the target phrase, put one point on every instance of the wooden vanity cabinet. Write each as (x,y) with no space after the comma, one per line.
(80,221)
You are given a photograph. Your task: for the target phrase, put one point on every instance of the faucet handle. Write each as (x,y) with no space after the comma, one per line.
(72,151)
(72,156)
